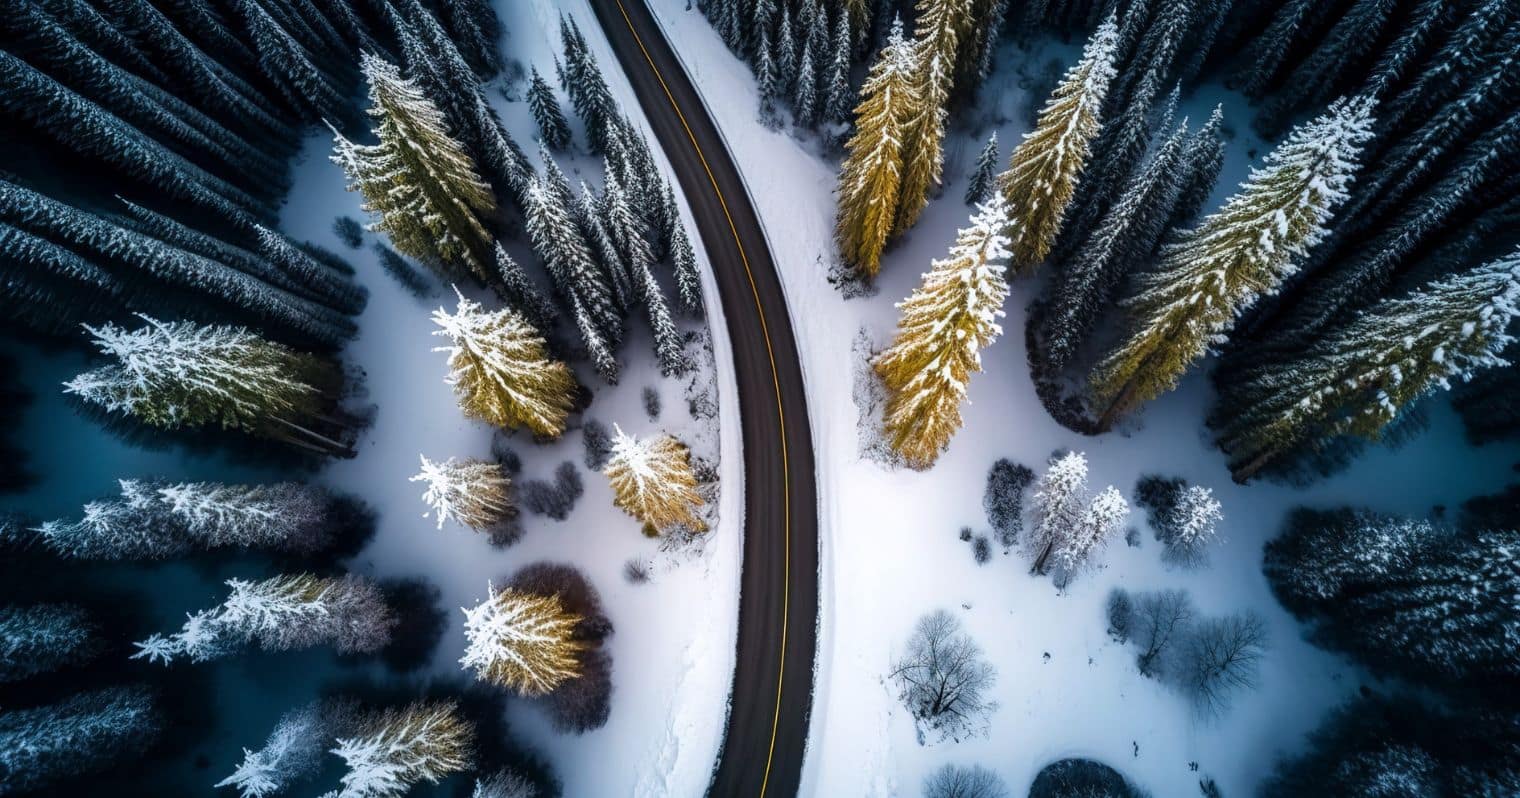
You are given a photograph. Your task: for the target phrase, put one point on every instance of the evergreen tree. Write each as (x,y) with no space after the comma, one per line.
(982,29)
(501,371)
(475,27)
(1191,526)
(175,375)
(588,89)
(684,261)
(1263,59)
(153,520)
(1314,79)
(1124,239)
(805,93)
(1043,171)
(328,286)
(944,326)
(934,50)
(1213,272)
(288,64)
(42,638)
(871,176)
(504,784)
(767,78)
(1060,499)
(418,180)
(552,126)
(1402,596)
(785,55)
(1455,61)
(519,290)
(984,174)
(400,748)
(1358,379)
(1201,163)
(597,348)
(284,613)
(589,212)
(476,493)
(836,78)
(559,242)
(1100,522)
(44,745)
(522,641)
(292,753)
(653,481)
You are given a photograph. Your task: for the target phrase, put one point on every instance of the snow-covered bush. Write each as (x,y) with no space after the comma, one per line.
(1184,517)
(1121,614)
(349,231)
(43,637)
(1067,527)
(1004,499)
(81,734)
(281,614)
(943,679)
(981,549)
(555,499)
(598,443)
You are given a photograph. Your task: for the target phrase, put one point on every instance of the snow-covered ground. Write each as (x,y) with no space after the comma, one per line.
(674,641)
(890,551)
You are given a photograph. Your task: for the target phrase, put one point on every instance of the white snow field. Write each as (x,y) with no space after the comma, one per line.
(890,551)
(673,647)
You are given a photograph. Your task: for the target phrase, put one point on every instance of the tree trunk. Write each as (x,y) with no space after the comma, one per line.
(1039,562)
(1244,473)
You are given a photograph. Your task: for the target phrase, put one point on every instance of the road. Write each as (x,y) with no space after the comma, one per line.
(778,602)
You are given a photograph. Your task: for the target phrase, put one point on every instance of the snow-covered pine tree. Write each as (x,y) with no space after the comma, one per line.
(982,29)
(1044,169)
(41,638)
(504,784)
(501,370)
(836,77)
(1122,241)
(785,50)
(945,324)
(418,180)
(589,213)
(1201,164)
(552,125)
(43,745)
(1099,523)
(935,44)
(476,28)
(767,79)
(1192,525)
(522,641)
(399,748)
(1449,67)
(1313,80)
(628,233)
(476,493)
(805,92)
(562,246)
(283,613)
(521,293)
(175,375)
(1059,501)
(292,753)
(288,65)
(325,284)
(588,90)
(1263,58)
(1359,378)
(871,176)
(653,481)
(984,173)
(1210,274)
(684,263)
(1408,599)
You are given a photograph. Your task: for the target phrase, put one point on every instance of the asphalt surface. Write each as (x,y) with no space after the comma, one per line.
(778,609)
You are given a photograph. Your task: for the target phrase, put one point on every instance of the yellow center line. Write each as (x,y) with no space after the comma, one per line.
(786,594)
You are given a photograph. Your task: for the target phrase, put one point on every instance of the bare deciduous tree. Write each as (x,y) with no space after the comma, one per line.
(952,781)
(1223,655)
(943,678)
(1161,620)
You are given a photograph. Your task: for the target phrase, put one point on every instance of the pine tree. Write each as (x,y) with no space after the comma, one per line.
(982,30)
(1060,499)
(1213,272)
(588,89)
(653,481)
(399,748)
(522,641)
(284,613)
(836,99)
(785,55)
(1191,525)
(1099,523)
(504,784)
(519,290)
(418,180)
(476,493)
(871,176)
(984,174)
(561,243)
(934,49)
(1313,80)
(805,93)
(1043,171)
(944,326)
(767,79)
(601,355)
(1455,61)
(1201,164)
(86,732)
(176,375)
(1123,240)
(1358,379)
(289,65)
(501,371)
(42,638)
(552,125)
(589,213)
(1260,62)
(326,285)
(291,754)
(684,261)
(154,520)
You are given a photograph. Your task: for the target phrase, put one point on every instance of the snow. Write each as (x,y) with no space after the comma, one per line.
(673,645)
(889,552)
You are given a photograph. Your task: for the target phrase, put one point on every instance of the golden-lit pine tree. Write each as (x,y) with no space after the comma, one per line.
(871,175)
(1044,169)
(421,183)
(522,640)
(653,481)
(501,370)
(934,49)
(398,748)
(944,325)
(1211,273)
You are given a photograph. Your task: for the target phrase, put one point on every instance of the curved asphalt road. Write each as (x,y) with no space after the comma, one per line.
(773,677)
